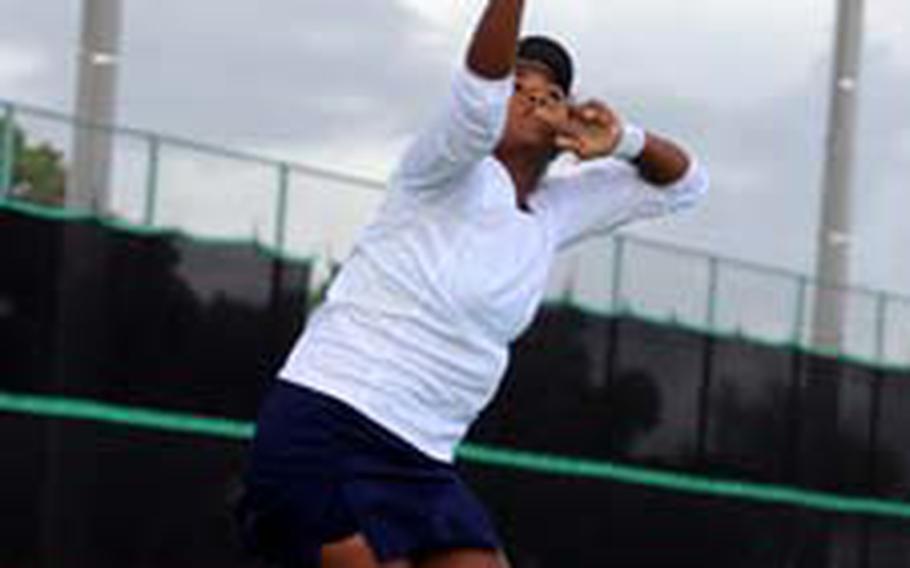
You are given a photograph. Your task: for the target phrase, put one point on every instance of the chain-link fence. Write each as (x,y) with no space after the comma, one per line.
(168,183)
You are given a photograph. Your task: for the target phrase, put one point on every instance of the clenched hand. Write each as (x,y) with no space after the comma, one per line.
(589,130)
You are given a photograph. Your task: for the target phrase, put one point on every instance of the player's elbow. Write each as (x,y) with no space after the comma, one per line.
(690,189)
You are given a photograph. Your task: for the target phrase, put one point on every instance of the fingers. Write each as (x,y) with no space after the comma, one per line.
(568,131)
(596,107)
(594,130)
(588,130)
(574,119)
(597,113)
(569,144)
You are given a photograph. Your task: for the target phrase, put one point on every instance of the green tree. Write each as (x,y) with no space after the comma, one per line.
(38,171)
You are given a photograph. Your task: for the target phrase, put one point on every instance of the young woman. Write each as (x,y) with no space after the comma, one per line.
(352,461)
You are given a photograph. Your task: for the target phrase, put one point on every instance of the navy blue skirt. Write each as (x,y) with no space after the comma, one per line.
(319,471)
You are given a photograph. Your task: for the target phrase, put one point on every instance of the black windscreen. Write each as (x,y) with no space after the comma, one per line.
(166,322)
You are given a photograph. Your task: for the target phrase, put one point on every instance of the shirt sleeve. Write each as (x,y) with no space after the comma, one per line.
(606,194)
(467,129)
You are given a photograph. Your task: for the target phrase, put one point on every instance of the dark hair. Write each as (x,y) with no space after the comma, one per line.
(553,55)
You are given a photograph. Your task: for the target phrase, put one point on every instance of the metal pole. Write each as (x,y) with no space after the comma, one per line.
(617,303)
(713,282)
(7,143)
(834,230)
(881,326)
(822,389)
(151,184)
(799,311)
(281,210)
(95,102)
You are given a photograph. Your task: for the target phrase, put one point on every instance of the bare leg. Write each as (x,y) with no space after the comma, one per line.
(466,559)
(354,552)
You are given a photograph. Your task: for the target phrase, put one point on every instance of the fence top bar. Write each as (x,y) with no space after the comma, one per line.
(760,268)
(704,254)
(364,183)
(192,145)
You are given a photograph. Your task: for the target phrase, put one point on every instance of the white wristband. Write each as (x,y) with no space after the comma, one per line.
(631,144)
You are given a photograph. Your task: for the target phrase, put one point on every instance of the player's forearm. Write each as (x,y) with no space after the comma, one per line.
(662,162)
(492,50)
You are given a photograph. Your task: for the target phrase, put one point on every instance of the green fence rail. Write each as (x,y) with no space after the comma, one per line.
(547,464)
(164,182)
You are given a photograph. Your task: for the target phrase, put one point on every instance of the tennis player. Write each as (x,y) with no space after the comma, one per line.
(351,465)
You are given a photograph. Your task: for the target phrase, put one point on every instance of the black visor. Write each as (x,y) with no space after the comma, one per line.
(552,54)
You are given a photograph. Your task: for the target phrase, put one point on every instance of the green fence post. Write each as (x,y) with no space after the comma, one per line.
(281,215)
(799,315)
(619,250)
(713,278)
(8,157)
(881,314)
(151,187)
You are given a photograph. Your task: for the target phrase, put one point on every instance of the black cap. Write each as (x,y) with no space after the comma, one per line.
(551,53)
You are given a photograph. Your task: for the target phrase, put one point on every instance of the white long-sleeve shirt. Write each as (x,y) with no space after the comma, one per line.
(415,330)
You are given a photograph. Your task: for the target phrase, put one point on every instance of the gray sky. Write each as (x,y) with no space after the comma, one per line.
(344,84)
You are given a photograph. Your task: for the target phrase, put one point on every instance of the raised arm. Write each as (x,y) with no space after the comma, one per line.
(474,115)
(493,46)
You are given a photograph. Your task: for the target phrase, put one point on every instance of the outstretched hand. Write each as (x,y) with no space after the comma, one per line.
(589,130)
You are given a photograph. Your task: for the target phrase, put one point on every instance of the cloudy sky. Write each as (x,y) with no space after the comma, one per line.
(345,84)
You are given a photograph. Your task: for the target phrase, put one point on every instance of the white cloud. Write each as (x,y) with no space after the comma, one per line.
(450,18)
(887,22)
(728,52)
(39,40)
(18,66)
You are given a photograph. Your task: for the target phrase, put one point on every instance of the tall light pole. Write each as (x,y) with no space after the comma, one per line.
(822,388)
(834,234)
(82,338)
(98,58)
